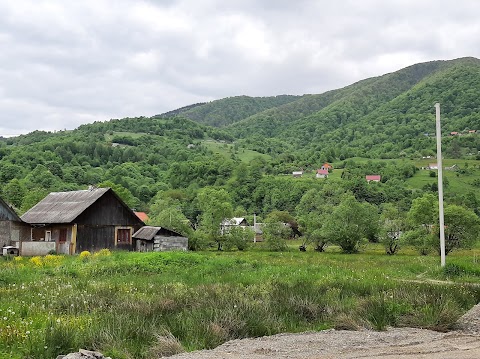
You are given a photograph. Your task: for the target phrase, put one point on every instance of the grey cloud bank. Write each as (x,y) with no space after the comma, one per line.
(67,63)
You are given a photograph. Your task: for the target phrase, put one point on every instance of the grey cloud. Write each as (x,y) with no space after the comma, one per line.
(71,63)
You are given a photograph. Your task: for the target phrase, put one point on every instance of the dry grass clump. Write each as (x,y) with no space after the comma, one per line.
(165,345)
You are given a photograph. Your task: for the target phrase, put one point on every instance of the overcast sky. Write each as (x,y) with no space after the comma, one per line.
(65,63)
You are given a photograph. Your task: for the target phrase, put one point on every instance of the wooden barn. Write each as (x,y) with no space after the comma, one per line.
(12,228)
(76,221)
(158,239)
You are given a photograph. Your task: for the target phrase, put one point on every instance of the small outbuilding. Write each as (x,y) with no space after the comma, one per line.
(12,228)
(159,239)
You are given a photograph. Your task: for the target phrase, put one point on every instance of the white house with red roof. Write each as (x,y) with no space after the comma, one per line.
(373,178)
(322,173)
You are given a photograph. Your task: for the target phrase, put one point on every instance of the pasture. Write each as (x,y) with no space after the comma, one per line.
(143,305)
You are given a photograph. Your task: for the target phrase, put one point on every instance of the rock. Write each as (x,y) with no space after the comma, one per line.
(470,321)
(83,354)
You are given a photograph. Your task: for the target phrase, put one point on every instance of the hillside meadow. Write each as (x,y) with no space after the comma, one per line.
(144,305)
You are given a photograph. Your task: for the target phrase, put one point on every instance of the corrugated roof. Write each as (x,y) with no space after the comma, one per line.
(148,232)
(63,207)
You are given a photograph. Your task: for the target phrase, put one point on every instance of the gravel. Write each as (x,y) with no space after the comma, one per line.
(463,343)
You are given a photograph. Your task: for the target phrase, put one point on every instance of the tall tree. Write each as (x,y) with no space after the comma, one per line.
(215,206)
(349,223)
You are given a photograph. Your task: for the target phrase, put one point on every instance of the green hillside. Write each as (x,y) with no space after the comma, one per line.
(383,117)
(229,110)
(382,125)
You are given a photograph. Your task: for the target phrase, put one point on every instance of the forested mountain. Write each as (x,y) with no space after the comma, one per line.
(165,162)
(229,110)
(384,117)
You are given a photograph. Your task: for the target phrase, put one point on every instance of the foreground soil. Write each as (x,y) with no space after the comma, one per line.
(463,343)
(393,343)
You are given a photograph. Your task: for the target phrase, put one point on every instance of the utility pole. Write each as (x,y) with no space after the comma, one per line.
(440,186)
(254,228)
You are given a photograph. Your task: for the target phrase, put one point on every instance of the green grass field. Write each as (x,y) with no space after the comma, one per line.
(227,149)
(134,135)
(144,305)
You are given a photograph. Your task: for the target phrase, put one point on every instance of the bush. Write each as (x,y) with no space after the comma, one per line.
(85,255)
(275,235)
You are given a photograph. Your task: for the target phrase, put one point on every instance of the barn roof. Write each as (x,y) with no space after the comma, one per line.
(149,232)
(63,207)
(7,213)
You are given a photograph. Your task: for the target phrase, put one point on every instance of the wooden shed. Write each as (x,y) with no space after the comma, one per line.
(76,221)
(158,239)
(12,228)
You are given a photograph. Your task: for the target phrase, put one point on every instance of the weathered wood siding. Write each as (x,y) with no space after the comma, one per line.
(161,243)
(98,224)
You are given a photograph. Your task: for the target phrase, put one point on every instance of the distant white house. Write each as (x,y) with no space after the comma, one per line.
(322,173)
(433,166)
(297,173)
(228,223)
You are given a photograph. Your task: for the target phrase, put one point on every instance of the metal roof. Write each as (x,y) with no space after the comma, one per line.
(149,232)
(63,207)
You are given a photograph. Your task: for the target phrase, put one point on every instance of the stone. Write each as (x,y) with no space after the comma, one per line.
(83,354)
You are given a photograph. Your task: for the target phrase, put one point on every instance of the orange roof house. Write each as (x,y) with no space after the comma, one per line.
(327,166)
(142,216)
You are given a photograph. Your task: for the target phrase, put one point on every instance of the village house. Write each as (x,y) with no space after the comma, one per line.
(12,229)
(326,166)
(232,222)
(76,221)
(373,178)
(432,166)
(322,173)
(142,216)
(297,173)
(159,239)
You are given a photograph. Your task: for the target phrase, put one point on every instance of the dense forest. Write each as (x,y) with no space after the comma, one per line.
(242,150)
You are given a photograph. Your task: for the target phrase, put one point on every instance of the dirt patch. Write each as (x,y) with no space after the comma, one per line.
(463,343)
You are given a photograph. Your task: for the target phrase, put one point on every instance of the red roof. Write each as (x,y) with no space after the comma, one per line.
(322,172)
(142,215)
(373,177)
(327,165)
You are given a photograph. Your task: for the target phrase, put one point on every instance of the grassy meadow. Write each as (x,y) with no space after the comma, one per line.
(144,305)
(227,149)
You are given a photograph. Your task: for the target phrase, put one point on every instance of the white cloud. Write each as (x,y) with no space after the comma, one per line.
(68,63)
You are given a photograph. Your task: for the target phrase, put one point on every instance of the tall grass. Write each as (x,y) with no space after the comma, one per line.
(145,305)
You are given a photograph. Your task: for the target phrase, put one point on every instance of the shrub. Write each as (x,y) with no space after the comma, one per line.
(36,261)
(85,255)
(275,235)
(105,252)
